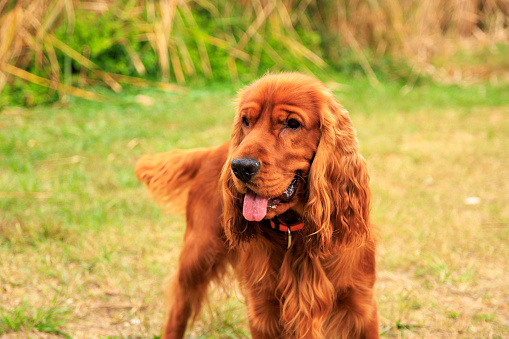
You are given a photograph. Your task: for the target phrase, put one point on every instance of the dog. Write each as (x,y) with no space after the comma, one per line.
(285,202)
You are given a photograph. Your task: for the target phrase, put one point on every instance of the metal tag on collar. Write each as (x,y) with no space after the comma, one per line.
(289,237)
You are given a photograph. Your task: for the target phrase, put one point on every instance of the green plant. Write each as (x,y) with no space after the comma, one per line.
(25,317)
(63,47)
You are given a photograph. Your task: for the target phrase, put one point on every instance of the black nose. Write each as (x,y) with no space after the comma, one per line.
(245,168)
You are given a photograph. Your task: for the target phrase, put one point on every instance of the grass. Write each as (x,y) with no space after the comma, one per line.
(24,316)
(85,252)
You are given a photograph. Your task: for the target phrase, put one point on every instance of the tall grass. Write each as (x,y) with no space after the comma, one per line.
(65,45)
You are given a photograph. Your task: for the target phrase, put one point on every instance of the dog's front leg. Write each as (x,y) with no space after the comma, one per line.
(264,316)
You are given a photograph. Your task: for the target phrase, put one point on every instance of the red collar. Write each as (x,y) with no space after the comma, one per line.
(278,225)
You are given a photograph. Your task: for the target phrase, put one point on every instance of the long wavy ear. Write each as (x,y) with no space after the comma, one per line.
(337,210)
(237,228)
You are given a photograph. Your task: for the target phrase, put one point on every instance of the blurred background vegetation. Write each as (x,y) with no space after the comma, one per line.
(52,48)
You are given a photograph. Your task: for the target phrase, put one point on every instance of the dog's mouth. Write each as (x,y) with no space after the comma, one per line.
(255,207)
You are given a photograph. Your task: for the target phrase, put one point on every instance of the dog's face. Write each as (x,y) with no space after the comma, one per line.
(278,131)
(293,147)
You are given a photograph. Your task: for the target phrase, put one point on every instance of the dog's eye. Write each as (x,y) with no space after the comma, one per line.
(245,122)
(293,124)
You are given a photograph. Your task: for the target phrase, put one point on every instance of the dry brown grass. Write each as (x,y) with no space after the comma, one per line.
(416,31)
(421,32)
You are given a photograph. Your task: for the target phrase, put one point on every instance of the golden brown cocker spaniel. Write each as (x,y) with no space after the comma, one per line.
(286,203)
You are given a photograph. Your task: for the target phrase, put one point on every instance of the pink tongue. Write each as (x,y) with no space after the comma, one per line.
(255,207)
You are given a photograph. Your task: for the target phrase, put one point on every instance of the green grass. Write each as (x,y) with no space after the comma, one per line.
(24,317)
(76,227)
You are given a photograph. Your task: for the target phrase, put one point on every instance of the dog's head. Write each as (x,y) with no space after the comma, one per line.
(293,148)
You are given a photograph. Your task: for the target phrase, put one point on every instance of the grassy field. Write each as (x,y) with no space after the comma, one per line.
(85,253)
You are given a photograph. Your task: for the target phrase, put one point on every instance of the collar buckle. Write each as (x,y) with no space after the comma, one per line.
(278,225)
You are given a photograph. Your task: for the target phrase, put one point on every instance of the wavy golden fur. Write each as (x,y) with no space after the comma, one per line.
(294,155)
